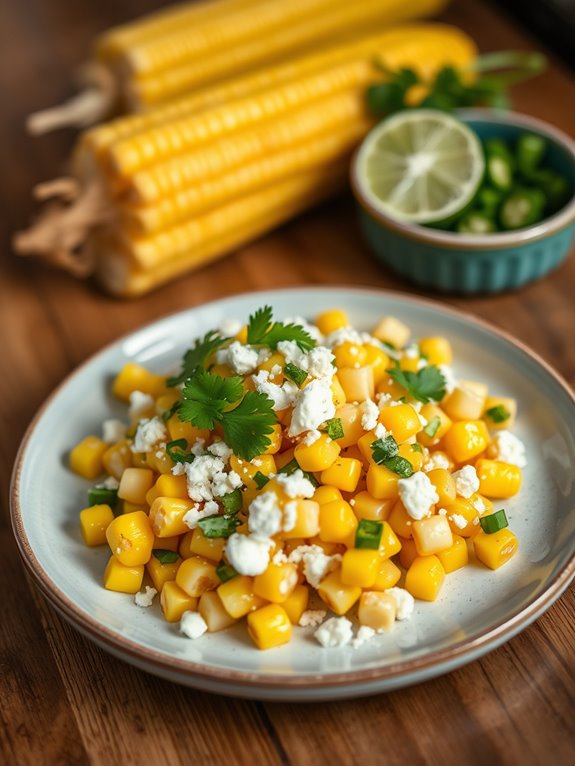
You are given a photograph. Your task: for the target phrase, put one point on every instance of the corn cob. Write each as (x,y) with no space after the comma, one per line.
(167,200)
(164,56)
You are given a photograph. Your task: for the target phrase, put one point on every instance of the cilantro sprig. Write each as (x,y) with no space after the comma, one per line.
(195,357)
(262,330)
(208,399)
(426,385)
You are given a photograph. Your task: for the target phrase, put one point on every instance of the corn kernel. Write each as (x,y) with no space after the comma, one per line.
(357,383)
(93,523)
(211,548)
(506,406)
(437,350)
(498,479)
(134,485)
(432,535)
(238,597)
(131,538)
(344,474)
(367,507)
(463,517)
(338,596)
(195,576)
(454,557)
(377,610)
(382,483)
(337,521)
(296,603)
(117,458)
(438,423)
(466,439)
(174,602)
(402,420)
(408,552)
(400,520)
(467,401)
(213,612)
(124,579)
(425,577)
(168,486)
(277,583)
(133,377)
(337,392)
(160,573)
(496,549)
(317,456)
(179,429)
(325,494)
(306,519)
(331,320)
(389,544)
(349,354)
(387,576)
(444,484)
(378,360)
(350,416)
(269,626)
(86,458)
(359,567)
(393,331)
(167,516)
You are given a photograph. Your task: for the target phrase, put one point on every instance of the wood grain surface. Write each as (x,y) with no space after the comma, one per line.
(62,700)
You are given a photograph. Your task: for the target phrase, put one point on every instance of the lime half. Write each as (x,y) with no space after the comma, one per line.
(420,166)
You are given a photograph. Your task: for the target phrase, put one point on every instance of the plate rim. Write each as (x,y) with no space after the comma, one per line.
(194,673)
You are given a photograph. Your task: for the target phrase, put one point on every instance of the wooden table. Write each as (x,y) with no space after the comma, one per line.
(64,701)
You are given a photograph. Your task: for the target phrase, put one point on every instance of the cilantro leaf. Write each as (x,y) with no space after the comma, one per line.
(176,450)
(426,385)
(165,556)
(247,426)
(262,331)
(206,397)
(218,526)
(384,449)
(196,356)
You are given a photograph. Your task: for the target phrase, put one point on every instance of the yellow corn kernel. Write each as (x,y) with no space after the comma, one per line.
(131,538)
(213,612)
(388,386)
(167,516)
(93,523)
(86,458)
(463,517)
(331,320)
(337,521)
(269,626)
(276,583)
(337,392)
(140,460)
(168,486)
(466,439)
(387,576)
(349,354)
(211,548)
(117,458)
(350,417)
(121,578)
(495,549)
(498,479)
(389,544)
(338,596)
(325,494)
(160,462)
(174,602)
(185,544)
(359,567)
(432,535)
(133,377)
(408,552)
(454,557)
(222,370)
(377,610)
(238,597)
(357,383)
(134,485)
(166,401)
(179,429)
(307,522)
(167,543)
(425,577)
(402,420)
(506,414)
(413,454)
(409,363)
(364,446)
(296,603)
(444,484)
(160,573)
(128,507)
(381,482)
(317,456)
(367,507)
(378,360)
(437,350)
(275,360)
(393,331)
(481,504)
(400,521)
(195,576)
(344,474)
(467,401)
(437,422)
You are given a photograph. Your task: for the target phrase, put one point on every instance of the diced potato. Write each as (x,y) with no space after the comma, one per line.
(213,612)
(377,610)
(393,331)
(357,383)
(338,596)
(432,535)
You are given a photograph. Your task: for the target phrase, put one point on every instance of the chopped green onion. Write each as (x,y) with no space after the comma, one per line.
(494,522)
(400,466)
(390,346)
(498,414)
(167,414)
(165,556)
(334,428)
(225,572)
(384,449)
(218,526)
(295,373)
(432,427)
(176,451)
(102,496)
(530,151)
(368,534)
(523,207)
(294,466)
(261,479)
(417,448)
(232,501)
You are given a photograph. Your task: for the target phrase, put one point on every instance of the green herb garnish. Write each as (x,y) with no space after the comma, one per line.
(417,448)
(232,501)
(263,331)
(102,496)
(494,522)
(368,534)
(196,356)
(384,449)
(426,385)
(176,450)
(334,428)
(498,414)
(261,479)
(165,556)
(294,466)
(432,427)
(399,465)
(218,526)
(225,572)
(167,414)
(295,373)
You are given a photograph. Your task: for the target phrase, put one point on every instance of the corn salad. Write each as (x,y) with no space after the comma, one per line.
(291,469)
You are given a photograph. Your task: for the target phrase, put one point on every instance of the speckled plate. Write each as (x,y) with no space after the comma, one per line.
(478,609)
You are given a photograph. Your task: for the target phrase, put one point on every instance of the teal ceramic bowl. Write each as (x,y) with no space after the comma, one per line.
(461,263)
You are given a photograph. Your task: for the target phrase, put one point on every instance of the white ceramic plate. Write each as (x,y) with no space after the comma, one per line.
(477,609)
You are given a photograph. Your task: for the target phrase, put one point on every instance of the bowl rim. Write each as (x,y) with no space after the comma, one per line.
(498,240)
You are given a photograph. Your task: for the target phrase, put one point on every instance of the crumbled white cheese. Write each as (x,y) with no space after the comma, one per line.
(207,478)
(247,554)
(195,514)
(364,634)
(449,377)
(282,396)
(295,484)
(316,563)
(242,359)
(145,598)
(380,431)
(265,516)
(139,403)
(230,327)
(110,482)
(417,494)
(508,448)
(311,437)
(318,362)
(459,520)
(383,400)
(290,516)
(312,618)
(336,631)
(221,449)
(466,481)
(193,625)
(344,335)
(411,351)
(369,415)
(404,602)
(436,460)
(113,431)
(442,512)
(313,406)
(149,432)
(479,504)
